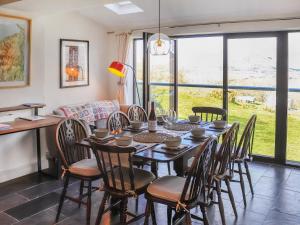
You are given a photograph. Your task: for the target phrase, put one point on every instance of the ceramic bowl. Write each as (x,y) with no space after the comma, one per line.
(124,140)
(173,142)
(101,132)
(219,123)
(194,119)
(198,132)
(136,124)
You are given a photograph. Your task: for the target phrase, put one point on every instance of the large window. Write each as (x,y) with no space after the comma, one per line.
(200,73)
(138,65)
(293,140)
(243,73)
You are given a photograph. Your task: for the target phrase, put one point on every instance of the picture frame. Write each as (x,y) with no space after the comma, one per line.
(74,63)
(15,51)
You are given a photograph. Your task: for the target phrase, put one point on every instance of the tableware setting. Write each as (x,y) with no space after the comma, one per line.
(219,124)
(101,132)
(173,142)
(135,124)
(124,140)
(194,119)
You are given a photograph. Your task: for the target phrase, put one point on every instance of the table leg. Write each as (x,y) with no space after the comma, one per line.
(154,168)
(179,166)
(38,149)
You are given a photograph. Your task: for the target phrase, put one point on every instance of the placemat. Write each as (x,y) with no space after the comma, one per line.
(180,127)
(147,137)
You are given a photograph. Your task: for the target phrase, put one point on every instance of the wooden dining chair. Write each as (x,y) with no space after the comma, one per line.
(181,194)
(137,113)
(117,121)
(210,114)
(224,169)
(76,163)
(121,180)
(243,154)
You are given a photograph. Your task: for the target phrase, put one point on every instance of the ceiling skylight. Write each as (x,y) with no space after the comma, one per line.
(123,7)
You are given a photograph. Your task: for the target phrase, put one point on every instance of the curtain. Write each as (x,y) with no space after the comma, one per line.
(123,43)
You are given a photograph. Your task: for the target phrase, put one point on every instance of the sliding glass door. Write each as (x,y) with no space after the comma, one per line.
(161,77)
(293,140)
(200,73)
(252,87)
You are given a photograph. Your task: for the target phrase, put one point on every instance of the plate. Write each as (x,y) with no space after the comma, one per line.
(178,148)
(218,128)
(199,138)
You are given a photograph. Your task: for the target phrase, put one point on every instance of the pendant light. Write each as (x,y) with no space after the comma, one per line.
(159,43)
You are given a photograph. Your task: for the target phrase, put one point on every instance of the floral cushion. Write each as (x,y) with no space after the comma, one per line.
(102,109)
(81,112)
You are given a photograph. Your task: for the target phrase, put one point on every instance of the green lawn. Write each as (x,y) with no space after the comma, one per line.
(264,142)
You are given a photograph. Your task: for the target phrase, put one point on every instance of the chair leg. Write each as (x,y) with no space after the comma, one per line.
(169,214)
(188,220)
(147,213)
(153,217)
(169,168)
(137,204)
(89,203)
(101,208)
(205,219)
(123,212)
(220,201)
(231,196)
(242,183)
(249,177)
(81,192)
(62,197)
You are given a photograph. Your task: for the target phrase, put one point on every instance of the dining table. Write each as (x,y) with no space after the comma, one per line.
(156,152)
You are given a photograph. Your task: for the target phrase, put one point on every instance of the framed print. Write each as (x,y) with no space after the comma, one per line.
(74,63)
(14,51)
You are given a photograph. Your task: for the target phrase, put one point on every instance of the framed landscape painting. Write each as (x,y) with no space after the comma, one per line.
(14,51)
(74,63)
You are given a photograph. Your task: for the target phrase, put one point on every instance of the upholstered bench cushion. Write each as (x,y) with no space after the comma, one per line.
(142,178)
(80,112)
(168,188)
(85,167)
(102,109)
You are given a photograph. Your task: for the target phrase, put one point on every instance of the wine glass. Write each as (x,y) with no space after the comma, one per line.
(171,117)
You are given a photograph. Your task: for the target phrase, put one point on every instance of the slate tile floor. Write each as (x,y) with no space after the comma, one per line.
(32,200)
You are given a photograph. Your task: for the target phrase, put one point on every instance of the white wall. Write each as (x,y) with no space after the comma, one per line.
(17,151)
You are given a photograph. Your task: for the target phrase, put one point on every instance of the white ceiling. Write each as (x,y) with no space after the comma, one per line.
(174,12)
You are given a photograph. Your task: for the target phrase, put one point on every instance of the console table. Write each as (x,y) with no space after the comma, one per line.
(20,125)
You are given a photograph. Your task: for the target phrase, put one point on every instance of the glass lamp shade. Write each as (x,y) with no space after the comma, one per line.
(159,44)
(118,69)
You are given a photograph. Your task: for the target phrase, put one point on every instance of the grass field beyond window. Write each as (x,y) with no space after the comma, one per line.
(264,143)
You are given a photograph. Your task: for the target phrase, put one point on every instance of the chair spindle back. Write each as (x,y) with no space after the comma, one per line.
(210,114)
(115,163)
(224,159)
(198,174)
(137,113)
(117,120)
(68,133)
(246,142)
